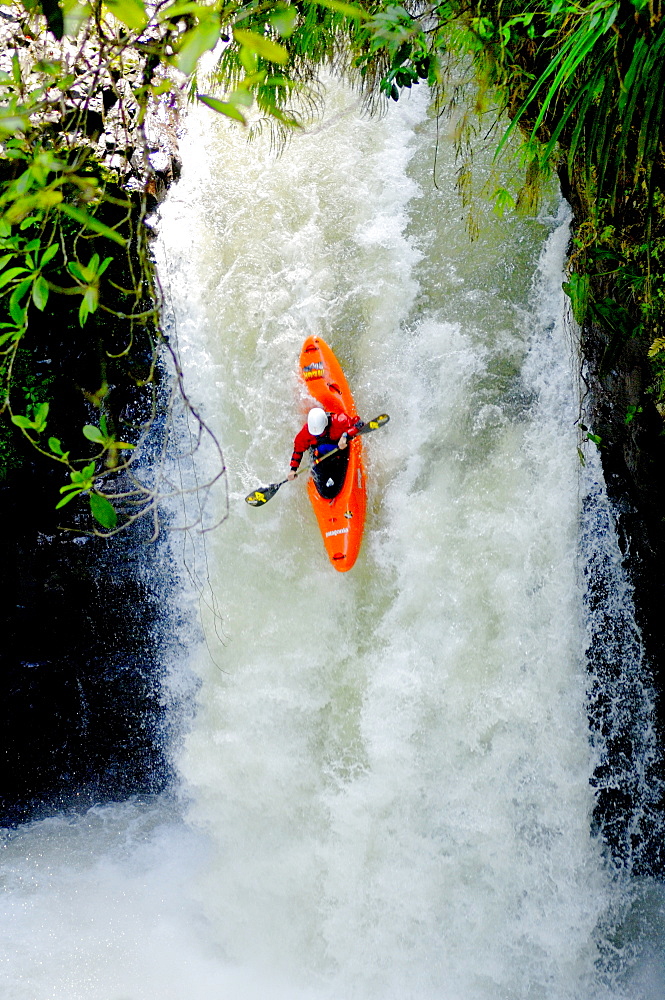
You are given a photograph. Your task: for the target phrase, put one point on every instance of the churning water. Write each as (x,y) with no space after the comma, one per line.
(385,785)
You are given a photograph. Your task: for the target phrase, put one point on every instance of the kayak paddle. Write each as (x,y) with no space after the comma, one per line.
(259,497)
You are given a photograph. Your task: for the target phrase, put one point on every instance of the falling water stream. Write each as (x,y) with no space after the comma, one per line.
(384,776)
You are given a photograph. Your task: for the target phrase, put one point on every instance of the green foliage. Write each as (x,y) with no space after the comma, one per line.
(577,289)
(106,441)
(586,85)
(589,436)
(103,511)
(81,482)
(88,277)
(35,419)
(601,92)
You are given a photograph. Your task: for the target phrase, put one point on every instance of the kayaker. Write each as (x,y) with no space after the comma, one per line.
(322,433)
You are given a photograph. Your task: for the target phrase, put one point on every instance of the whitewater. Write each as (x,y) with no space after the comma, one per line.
(384,778)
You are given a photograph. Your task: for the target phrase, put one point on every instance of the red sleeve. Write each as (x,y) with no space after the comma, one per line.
(357,424)
(302,442)
(341,423)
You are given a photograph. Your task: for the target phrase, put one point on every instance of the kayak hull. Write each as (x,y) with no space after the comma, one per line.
(342,519)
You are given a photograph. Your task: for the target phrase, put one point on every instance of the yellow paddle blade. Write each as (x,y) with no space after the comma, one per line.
(259,497)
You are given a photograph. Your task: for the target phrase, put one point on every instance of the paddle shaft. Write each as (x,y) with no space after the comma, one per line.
(317,461)
(260,497)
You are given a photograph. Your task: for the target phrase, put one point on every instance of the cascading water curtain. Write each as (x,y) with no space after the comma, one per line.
(385,789)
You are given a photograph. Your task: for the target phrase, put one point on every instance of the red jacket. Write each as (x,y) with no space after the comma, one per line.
(338,423)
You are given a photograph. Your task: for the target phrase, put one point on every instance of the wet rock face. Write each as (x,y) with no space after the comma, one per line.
(84,637)
(85,622)
(633,456)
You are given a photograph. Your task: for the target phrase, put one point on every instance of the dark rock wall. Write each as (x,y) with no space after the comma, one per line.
(633,458)
(85,627)
(630,805)
(85,622)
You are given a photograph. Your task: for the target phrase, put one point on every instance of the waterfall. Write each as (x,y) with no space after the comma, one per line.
(385,777)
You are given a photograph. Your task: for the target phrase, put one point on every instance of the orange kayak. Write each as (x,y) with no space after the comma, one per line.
(341,519)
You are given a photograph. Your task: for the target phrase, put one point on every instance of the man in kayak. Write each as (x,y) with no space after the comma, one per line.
(324,432)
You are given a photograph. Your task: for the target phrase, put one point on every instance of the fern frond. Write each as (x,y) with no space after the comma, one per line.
(657,346)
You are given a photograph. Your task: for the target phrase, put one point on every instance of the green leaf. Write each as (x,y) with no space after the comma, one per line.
(197,41)
(49,254)
(40,292)
(16,310)
(93,434)
(91,298)
(78,270)
(83,312)
(23,422)
(248,60)
(12,273)
(165,87)
(577,289)
(47,199)
(254,79)
(82,478)
(284,21)
(130,12)
(56,447)
(14,333)
(39,415)
(71,496)
(223,107)
(103,510)
(264,47)
(90,222)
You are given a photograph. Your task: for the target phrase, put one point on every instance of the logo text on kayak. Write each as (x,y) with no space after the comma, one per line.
(312,371)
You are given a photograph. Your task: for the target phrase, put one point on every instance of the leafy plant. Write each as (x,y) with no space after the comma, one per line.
(34,420)
(577,289)
(88,276)
(83,481)
(106,441)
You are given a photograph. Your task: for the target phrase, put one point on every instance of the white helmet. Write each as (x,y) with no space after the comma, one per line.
(317,421)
